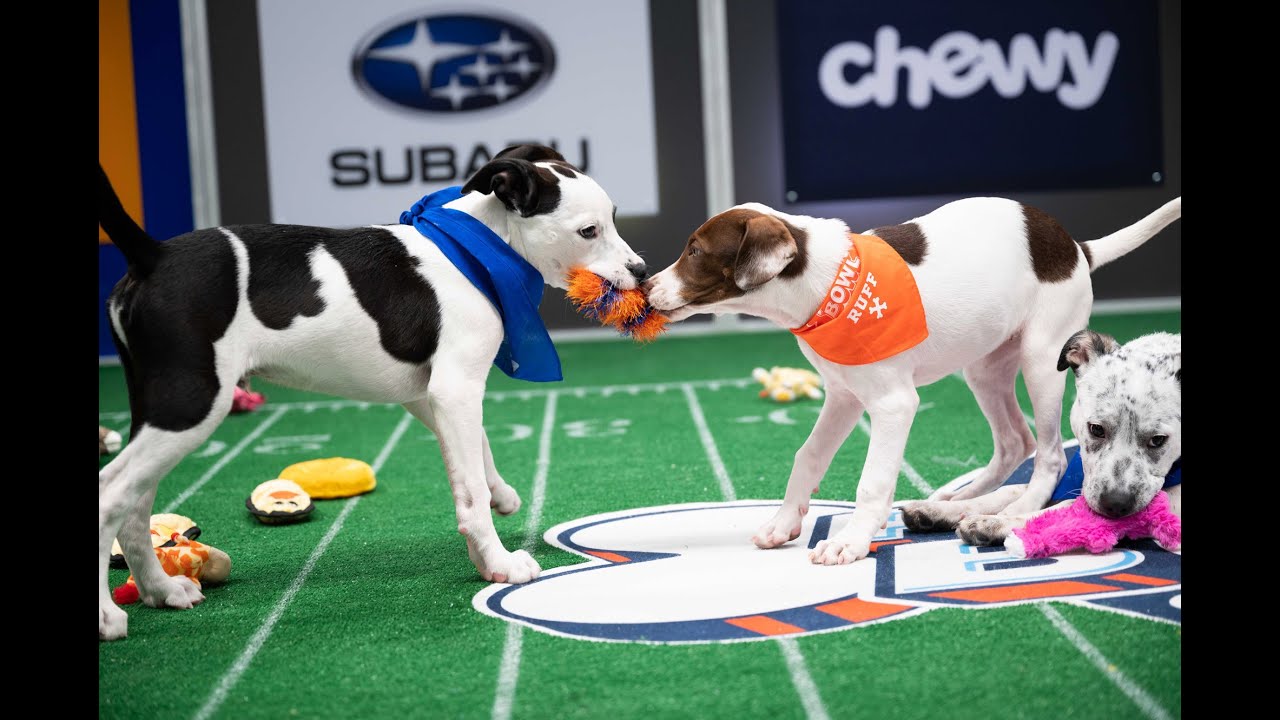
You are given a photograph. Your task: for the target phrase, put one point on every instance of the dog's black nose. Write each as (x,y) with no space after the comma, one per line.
(1116,504)
(638,270)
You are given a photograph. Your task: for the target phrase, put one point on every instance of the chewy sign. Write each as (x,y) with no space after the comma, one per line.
(926,97)
(959,64)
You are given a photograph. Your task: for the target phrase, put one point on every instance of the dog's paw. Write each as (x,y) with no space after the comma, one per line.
(109,442)
(930,516)
(172,592)
(782,529)
(839,551)
(509,567)
(984,530)
(113,623)
(505,499)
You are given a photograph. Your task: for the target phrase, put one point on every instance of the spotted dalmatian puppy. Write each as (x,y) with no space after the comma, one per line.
(375,313)
(1128,417)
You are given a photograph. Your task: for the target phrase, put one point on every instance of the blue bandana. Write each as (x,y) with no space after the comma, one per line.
(1072,483)
(511,284)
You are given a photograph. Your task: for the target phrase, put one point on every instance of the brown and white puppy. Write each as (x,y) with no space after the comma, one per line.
(1001,285)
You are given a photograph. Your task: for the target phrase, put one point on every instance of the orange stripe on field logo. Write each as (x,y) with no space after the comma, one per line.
(1030,591)
(611,557)
(858,610)
(117,108)
(1139,579)
(764,625)
(877,545)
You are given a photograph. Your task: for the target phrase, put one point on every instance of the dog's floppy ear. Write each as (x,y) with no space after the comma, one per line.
(767,248)
(1083,347)
(519,184)
(532,153)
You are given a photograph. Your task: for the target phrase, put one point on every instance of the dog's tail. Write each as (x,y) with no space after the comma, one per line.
(140,249)
(1119,243)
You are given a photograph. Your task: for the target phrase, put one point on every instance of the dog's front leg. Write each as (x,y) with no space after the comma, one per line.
(892,411)
(502,497)
(455,407)
(839,415)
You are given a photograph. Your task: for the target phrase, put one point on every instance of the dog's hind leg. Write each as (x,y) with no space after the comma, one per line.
(839,414)
(127,485)
(125,496)
(940,515)
(1046,385)
(993,381)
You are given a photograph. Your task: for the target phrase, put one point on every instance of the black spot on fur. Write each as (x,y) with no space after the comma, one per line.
(171,320)
(1054,254)
(281,286)
(907,240)
(383,274)
(564,169)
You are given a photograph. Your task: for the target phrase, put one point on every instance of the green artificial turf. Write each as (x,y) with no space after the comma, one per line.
(383,625)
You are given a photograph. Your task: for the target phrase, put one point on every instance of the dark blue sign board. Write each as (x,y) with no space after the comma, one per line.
(921,97)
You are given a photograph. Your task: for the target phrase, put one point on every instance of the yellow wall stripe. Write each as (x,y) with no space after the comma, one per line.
(117,108)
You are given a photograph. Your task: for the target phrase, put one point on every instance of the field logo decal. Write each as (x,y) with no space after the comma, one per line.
(689,574)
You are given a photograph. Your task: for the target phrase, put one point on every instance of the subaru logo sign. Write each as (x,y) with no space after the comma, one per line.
(453,63)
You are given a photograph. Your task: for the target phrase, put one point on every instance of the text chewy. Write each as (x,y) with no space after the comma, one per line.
(958,64)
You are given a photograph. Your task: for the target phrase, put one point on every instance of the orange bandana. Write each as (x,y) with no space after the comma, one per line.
(872,310)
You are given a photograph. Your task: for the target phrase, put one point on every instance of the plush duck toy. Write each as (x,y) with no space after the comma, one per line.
(194,560)
(785,384)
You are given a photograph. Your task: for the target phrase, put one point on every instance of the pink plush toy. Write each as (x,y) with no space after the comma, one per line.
(246,400)
(1078,526)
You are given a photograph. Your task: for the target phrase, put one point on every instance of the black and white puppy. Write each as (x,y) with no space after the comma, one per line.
(374,313)
(1127,416)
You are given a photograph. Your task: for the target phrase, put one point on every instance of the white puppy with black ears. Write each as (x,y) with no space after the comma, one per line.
(379,313)
(985,285)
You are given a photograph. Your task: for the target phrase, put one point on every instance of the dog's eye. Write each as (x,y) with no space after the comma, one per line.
(588,232)
(693,250)
(1157,441)
(1097,430)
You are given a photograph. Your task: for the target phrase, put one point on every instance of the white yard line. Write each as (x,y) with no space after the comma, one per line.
(499,395)
(1147,704)
(226,458)
(709,444)
(809,697)
(915,478)
(800,677)
(509,670)
(232,676)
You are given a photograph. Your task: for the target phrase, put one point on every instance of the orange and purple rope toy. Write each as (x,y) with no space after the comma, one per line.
(628,311)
